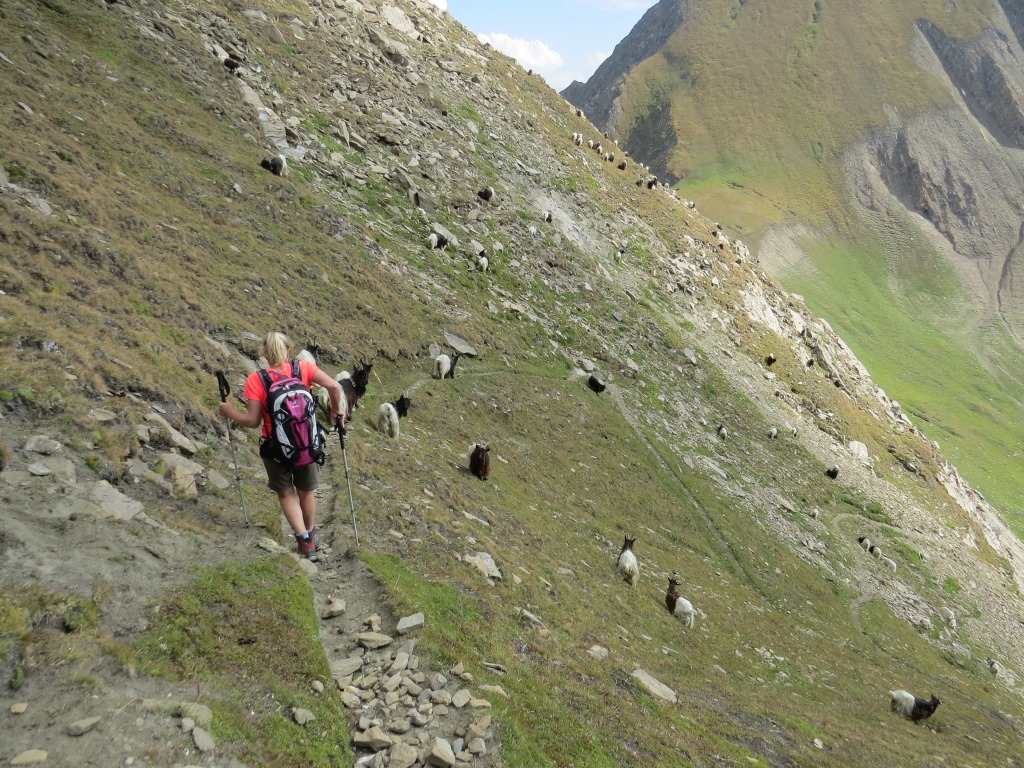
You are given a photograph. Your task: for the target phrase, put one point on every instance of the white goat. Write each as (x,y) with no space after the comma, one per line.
(627,567)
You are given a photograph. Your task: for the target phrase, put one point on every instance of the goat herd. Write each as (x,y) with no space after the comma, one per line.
(354,383)
(353,386)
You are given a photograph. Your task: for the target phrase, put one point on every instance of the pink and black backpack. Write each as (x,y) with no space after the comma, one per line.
(296,438)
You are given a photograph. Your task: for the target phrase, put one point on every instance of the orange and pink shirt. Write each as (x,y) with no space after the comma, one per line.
(254,389)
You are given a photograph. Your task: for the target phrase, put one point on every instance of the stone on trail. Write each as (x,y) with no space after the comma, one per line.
(30,756)
(371,640)
(113,502)
(346,667)
(42,444)
(402,756)
(441,754)
(335,607)
(19,708)
(302,716)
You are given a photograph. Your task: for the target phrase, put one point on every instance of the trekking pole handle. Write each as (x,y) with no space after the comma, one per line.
(340,426)
(222,384)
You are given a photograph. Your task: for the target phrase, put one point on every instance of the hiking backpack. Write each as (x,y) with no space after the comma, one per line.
(296,438)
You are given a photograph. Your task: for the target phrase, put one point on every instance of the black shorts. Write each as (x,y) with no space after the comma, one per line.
(280,478)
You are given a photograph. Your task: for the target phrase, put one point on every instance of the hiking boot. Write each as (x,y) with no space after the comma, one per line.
(314,534)
(307,548)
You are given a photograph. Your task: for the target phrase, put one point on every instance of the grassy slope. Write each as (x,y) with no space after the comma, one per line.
(154,259)
(763,124)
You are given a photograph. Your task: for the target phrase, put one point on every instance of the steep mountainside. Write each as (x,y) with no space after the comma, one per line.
(631,367)
(885,140)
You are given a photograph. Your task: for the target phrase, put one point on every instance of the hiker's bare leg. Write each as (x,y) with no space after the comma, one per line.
(292,509)
(307,501)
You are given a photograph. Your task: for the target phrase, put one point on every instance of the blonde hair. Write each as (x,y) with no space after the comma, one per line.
(276,347)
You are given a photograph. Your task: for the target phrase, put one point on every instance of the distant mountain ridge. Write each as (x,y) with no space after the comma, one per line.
(893,131)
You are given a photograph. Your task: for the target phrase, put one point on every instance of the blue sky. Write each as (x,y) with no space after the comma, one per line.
(562,40)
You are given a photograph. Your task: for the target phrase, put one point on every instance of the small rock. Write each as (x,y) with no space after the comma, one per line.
(372,640)
(335,607)
(42,444)
(302,716)
(80,727)
(477,747)
(461,698)
(655,687)
(30,756)
(598,652)
(203,740)
(187,725)
(441,754)
(408,624)
(346,667)
(19,708)
(402,756)
(317,686)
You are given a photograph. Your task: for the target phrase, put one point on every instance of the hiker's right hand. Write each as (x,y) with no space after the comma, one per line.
(225,410)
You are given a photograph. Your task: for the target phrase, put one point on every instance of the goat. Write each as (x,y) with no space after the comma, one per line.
(994,666)
(875,551)
(481,261)
(596,384)
(723,432)
(948,616)
(622,165)
(233,65)
(444,366)
(353,385)
(653,182)
(773,433)
(389,414)
(437,242)
(865,542)
(770,359)
(679,606)
(277,165)
(480,461)
(627,566)
(890,564)
(908,705)
(832,472)
(486,194)
(547,217)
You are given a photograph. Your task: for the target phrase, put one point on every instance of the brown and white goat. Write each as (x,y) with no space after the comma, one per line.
(679,606)
(353,385)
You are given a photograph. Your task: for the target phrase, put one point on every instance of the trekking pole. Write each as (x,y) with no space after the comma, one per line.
(348,481)
(225,390)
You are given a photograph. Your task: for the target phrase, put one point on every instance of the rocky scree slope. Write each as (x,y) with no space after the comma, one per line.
(144,248)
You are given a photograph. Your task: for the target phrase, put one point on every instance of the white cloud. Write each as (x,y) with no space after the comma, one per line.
(532,54)
(442,4)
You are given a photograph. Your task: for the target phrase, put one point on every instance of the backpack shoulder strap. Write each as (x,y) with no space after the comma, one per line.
(267,383)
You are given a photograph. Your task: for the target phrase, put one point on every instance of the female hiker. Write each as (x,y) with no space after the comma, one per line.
(293,475)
